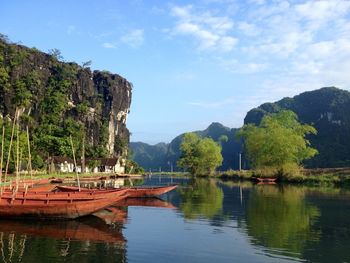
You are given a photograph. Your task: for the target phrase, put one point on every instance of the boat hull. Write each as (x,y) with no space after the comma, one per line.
(132,191)
(51,206)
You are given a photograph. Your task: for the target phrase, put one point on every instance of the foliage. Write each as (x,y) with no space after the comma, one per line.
(56,53)
(328,110)
(93,163)
(133,167)
(153,157)
(278,145)
(199,156)
(120,144)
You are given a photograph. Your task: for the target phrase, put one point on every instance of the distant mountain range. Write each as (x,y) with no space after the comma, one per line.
(327,109)
(163,156)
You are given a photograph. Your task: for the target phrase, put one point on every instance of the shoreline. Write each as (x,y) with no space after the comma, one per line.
(338,177)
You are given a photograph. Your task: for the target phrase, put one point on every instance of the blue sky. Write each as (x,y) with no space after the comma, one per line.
(194,62)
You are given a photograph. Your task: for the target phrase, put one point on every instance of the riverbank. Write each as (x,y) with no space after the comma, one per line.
(311,177)
(314,177)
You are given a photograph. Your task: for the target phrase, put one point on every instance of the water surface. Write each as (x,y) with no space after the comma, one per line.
(204,220)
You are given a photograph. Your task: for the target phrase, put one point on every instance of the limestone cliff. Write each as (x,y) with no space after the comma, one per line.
(58,94)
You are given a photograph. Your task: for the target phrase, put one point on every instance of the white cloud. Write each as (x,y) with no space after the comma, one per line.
(237,67)
(210,32)
(109,45)
(133,38)
(214,104)
(71,29)
(249,29)
(322,10)
(295,45)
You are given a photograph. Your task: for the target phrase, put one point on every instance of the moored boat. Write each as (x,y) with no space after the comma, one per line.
(266,180)
(66,205)
(142,191)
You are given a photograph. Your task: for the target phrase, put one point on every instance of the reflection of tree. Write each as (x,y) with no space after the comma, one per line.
(280,218)
(68,241)
(201,199)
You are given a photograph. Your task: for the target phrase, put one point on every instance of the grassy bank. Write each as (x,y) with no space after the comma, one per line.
(314,177)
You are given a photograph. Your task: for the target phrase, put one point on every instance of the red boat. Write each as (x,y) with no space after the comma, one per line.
(266,180)
(150,191)
(132,191)
(63,205)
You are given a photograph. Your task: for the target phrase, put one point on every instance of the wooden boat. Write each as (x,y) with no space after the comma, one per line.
(66,205)
(150,191)
(142,191)
(266,180)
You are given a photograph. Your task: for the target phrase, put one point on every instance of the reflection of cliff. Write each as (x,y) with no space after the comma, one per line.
(279,218)
(202,198)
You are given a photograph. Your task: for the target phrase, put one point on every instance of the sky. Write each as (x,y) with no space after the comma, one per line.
(192,63)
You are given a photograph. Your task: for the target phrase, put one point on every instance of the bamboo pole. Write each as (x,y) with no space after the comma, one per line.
(17,156)
(29,156)
(9,151)
(2,150)
(75,162)
(83,155)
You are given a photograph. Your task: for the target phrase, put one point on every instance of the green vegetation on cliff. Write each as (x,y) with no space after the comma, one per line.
(59,100)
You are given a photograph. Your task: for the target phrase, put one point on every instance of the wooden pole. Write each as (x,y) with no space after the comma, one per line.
(75,162)
(240,162)
(17,155)
(83,155)
(9,151)
(29,156)
(2,149)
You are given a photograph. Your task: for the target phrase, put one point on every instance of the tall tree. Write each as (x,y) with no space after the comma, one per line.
(278,145)
(199,156)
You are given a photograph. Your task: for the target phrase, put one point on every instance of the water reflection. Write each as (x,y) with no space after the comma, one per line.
(224,221)
(201,198)
(96,238)
(279,218)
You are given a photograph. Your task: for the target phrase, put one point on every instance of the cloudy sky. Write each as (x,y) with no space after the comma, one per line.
(194,62)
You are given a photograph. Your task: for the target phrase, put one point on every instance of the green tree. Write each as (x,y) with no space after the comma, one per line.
(199,156)
(278,145)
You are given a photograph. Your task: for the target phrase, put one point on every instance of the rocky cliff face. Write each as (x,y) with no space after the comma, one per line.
(51,92)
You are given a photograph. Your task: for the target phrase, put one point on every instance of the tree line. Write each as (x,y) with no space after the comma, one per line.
(275,147)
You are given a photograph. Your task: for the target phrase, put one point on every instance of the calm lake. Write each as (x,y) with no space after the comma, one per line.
(202,221)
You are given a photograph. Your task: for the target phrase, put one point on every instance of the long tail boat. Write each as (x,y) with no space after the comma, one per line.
(142,191)
(62,205)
